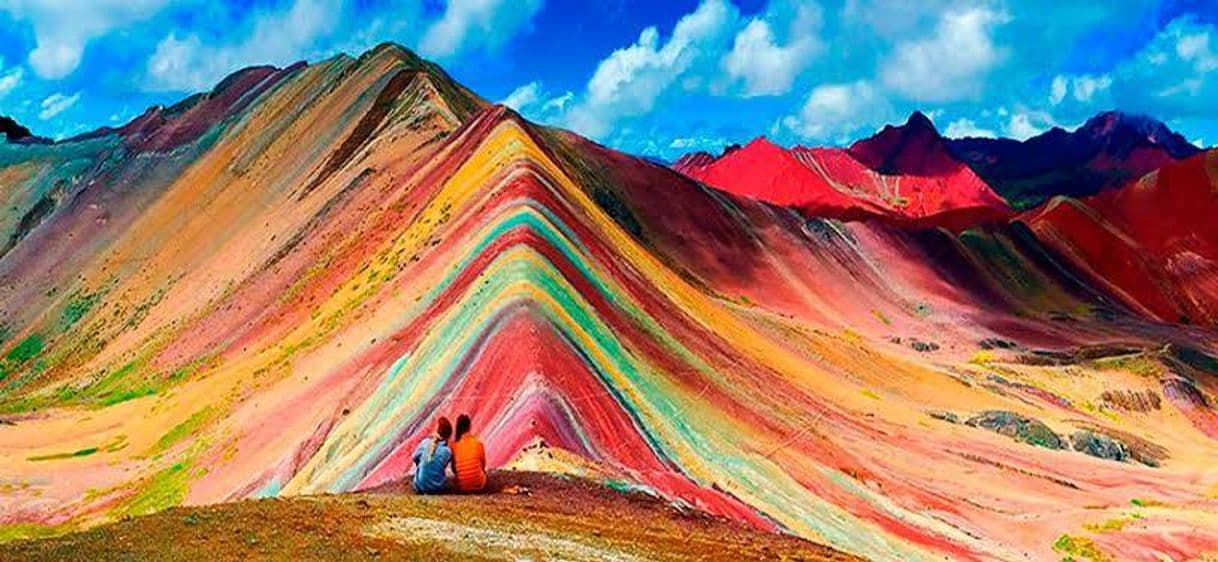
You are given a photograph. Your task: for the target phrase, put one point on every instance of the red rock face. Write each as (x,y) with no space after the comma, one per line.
(1153,242)
(914,149)
(275,290)
(834,183)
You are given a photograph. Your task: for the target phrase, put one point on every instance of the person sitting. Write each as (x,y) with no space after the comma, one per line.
(469,458)
(432,456)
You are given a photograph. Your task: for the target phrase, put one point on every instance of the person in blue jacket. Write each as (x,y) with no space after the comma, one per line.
(431,458)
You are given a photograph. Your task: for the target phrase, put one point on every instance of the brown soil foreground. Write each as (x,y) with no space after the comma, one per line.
(528,516)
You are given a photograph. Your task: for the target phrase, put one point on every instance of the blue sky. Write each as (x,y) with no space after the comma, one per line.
(656,77)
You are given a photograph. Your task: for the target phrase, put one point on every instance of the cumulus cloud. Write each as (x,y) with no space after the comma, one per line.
(893,19)
(10,79)
(702,142)
(188,63)
(681,145)
(523,97)
(629,80)
(1086,87)
(474,24)
(1020,127)
(1176,73)
(833,111)
(559,103)
(1083,88)
(768,63)
(55,104)
(1058,89)
(1025,124)
(533,101)
(951,64)
(966,128)
(63,28)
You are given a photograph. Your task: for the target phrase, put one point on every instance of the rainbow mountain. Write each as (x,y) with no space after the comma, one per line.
(275,287)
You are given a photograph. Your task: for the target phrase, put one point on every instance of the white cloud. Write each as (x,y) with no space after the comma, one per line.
(1086,87)
(523,97)
(10,79)
(705,143)
(1175,74)
(534,102)
(893,19)
(950,65)
(1057,90)
(1025,124)
(1194,46)
(277,37)
(629,80)
(966,128)
(1083,88)
(63,28)
(1020,127)
(55,104)
(833,111)
(471,24)
(179,64)
(765,66)
(558,103)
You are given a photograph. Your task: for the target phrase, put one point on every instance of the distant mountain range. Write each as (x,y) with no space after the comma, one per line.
(1107,152)
(1124,200)
(276,287)
(852,184)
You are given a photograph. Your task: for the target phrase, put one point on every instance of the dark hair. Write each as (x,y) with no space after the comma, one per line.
(444,428)
(462,426)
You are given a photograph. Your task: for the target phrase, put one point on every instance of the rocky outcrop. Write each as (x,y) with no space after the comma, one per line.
(1099,446)
(1019,427)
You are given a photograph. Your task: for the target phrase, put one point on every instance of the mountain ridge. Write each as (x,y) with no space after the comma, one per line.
(275,290)
(13,131)
(1108,151)
(836,183)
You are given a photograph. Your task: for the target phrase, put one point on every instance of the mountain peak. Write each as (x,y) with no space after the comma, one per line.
(915,148)
(759,143)
(831,183)
(1124,131)
(918,121)
(1109,122)
(394,50)
(327,259)
(1106,152)
(692,161)
(12,130)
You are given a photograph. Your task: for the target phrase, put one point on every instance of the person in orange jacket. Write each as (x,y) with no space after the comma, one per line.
(469,458)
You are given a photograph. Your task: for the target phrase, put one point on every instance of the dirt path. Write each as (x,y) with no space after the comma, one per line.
(532,516)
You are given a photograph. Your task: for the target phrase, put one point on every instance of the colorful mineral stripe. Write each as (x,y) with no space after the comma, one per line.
(275,288)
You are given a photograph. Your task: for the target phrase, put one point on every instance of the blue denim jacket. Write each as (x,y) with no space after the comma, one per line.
(430,460)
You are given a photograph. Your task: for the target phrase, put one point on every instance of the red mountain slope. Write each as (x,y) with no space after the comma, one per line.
(832,183)
(1154,242)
